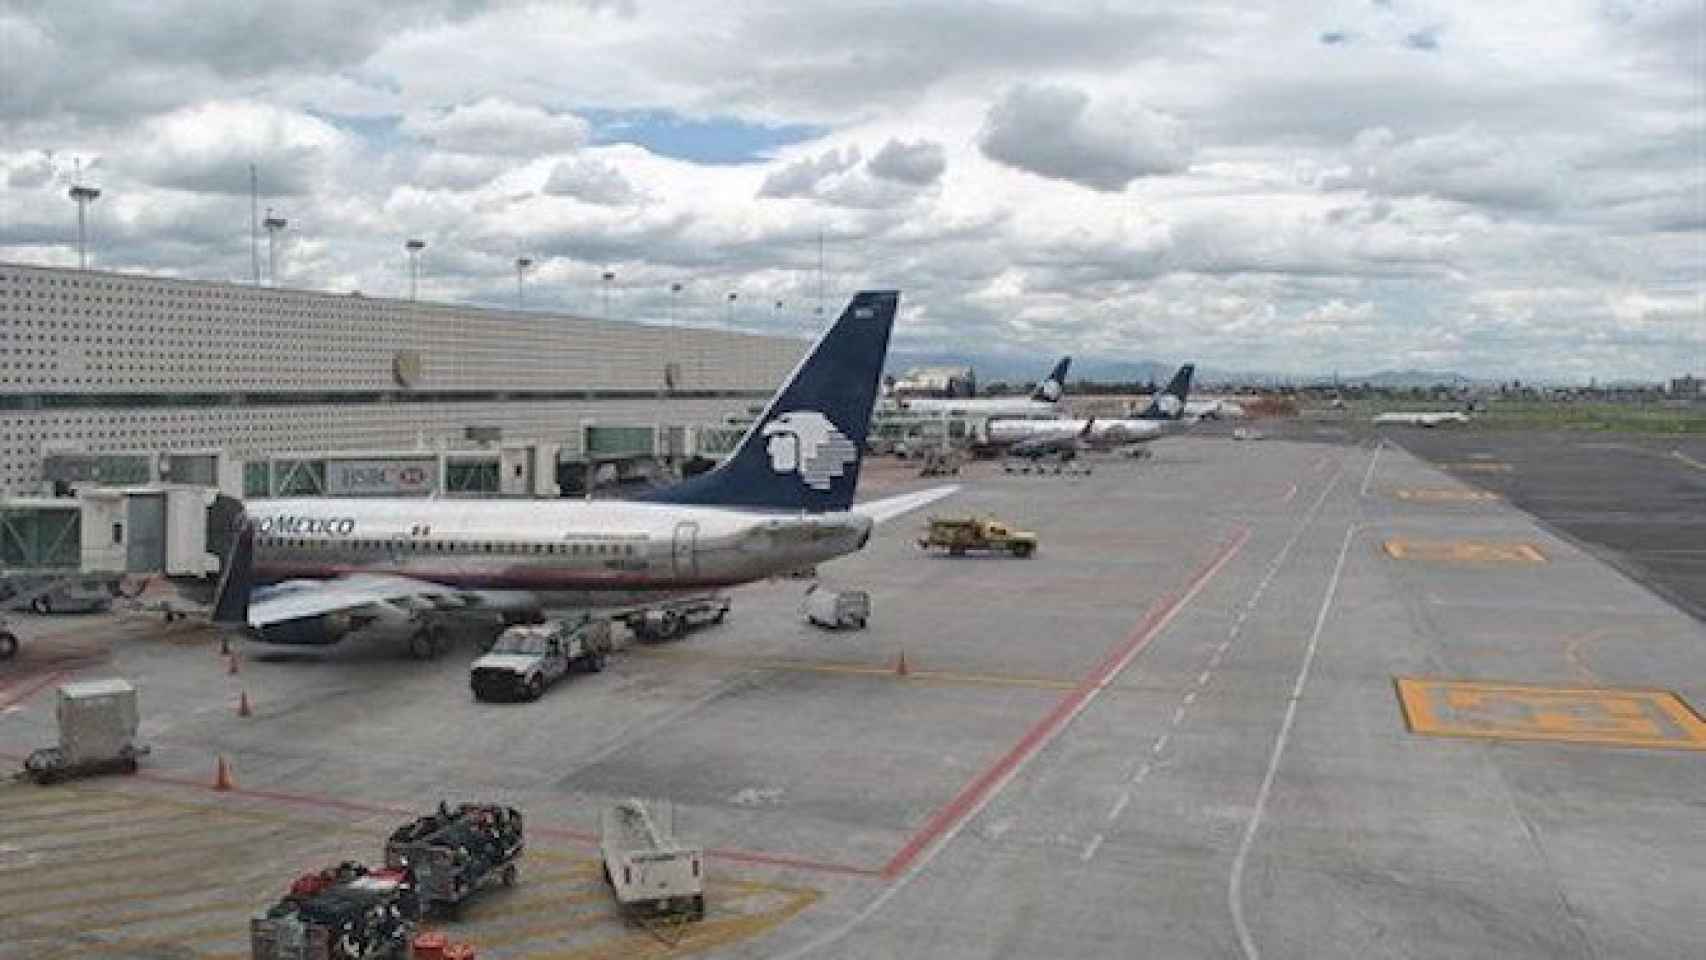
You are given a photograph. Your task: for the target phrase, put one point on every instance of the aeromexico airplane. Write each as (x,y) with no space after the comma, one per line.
(1044,401)
(306,571)
(1165,411)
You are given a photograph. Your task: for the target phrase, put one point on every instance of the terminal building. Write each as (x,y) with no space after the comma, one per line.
(121,378)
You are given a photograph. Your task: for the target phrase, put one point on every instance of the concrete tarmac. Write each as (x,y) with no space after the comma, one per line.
(1176,732)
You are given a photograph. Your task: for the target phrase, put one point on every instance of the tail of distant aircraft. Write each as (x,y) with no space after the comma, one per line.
(1169,404)
(1050,390)
(804,451)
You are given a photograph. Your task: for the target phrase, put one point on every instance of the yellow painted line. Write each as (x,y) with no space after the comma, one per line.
(1487,552)
(944,677)
(68,875)
(1444,495)
(113,921)
(1508,711)
(698,937)
(566,923)
(1685,458)
(84,824)
(106,862)
(1480,466)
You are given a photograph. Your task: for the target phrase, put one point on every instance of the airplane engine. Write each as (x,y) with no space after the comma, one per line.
(309,631)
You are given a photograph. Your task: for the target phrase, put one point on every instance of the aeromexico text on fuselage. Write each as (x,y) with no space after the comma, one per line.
(295,525)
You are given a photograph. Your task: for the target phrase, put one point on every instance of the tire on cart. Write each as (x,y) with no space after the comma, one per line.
(8,645)
(509,875)
(42,605)
(595,663)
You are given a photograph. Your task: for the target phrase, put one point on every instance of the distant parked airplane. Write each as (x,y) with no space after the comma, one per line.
(1043,401)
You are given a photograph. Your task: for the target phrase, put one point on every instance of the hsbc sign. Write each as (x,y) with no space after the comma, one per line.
(347,478)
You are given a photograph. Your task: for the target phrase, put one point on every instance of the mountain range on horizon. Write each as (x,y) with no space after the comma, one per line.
(992,368)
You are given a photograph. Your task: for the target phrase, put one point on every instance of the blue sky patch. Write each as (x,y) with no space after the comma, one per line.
(716,140)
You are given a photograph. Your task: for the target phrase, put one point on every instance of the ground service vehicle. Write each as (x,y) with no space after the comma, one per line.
(650,873)
(346,912)
(527,658)
(97,733)
(452,853)
(835,609)
(670,620)
(961,534)
(8,642)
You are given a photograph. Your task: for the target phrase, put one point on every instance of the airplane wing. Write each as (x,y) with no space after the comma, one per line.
(888,508)
(296,599)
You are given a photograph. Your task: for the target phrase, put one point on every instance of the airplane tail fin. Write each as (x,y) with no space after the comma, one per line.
(803,452)
(1169,404)
(1050,389)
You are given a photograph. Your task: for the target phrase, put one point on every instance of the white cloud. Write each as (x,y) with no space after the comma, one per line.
(1058,132)
(592,181)
(498,126)
(1214,181)
(918,164)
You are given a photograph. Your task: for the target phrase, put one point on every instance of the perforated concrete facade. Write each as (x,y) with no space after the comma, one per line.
(97,361)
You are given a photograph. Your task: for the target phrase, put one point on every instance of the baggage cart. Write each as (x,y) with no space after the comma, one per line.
(346,912)
(452,853)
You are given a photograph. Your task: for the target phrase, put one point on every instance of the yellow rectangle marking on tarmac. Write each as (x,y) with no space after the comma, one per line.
(1444,495)
(1512,711)
(1480,466)
(1496,552)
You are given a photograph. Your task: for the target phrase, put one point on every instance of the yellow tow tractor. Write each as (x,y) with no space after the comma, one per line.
(960,534)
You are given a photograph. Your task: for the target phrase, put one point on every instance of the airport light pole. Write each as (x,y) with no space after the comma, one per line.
(732,297)
(522,265)
(274,225)
(83,196)
(414,247)
(609,275)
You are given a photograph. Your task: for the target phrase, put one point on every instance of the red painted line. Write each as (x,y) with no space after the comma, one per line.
(582,836)
(26,687)
(981,787)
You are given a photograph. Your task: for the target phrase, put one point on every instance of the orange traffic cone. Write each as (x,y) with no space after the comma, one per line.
(243,709)
(232,660)
(900,669)
(222,775)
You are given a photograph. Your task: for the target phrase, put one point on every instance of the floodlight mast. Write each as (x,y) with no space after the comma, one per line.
(522,265)
(414,247)
(274,225)
(83,195)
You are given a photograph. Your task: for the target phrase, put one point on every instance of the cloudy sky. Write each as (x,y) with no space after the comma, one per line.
(1510,189)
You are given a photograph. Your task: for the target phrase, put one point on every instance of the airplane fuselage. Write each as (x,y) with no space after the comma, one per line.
(564,552)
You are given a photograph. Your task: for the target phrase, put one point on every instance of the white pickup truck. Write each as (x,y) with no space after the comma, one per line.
(530,657)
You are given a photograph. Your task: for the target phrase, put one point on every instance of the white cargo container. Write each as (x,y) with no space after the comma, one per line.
(97,732)
(649,871)
(836,609)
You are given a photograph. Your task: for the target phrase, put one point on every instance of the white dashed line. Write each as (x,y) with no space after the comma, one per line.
(1091,848)
(1119,806)
(1142,772)
(1160,744)
(1202,680)
(1190,698)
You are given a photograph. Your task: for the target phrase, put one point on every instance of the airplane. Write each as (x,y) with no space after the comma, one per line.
(1043,401)
(1162,415)
(1424,418)
(309,571)
(1064,443)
